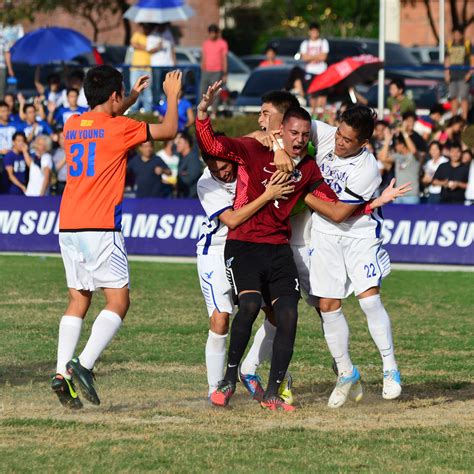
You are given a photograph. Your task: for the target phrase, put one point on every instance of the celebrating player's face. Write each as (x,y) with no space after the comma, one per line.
(295,135)
(222,170)
(347,141)
(267,110)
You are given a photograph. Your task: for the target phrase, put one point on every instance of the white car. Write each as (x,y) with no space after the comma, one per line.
(238,72)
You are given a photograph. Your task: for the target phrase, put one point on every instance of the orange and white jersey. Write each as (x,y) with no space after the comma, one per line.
(96,146)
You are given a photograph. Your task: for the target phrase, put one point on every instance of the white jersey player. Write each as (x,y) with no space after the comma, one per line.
(216,191)
(347,257)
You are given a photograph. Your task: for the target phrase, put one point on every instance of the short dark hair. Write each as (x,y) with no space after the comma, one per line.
(400,83)
(399,140)
(213,28)
(100,83)
(187,136)
(409,114)
(296,112)
(72,89)
(455,145)
(362,119)
(454,120)
(437,109)
(77,74)
(270,48)
(314,25)
(281,100)
(18,134)
(459,29)
(381,122)
(3,104)
(53,78)
(28,106)
(436,143)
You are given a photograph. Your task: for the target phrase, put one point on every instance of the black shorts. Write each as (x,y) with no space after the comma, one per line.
(267,268)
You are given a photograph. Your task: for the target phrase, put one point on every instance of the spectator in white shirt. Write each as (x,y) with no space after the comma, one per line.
(429,170)
(314,52)
(40,164)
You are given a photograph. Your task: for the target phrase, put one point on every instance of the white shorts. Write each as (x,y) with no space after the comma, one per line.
(301,257)
(215,286)
(94,259)
(341,265)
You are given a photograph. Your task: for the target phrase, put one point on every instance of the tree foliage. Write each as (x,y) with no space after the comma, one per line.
(290,18)
(102,15)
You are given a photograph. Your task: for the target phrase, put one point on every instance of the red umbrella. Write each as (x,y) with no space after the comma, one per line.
(347,73)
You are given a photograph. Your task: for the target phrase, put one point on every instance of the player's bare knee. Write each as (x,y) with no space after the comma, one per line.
(219,323)
(326,305)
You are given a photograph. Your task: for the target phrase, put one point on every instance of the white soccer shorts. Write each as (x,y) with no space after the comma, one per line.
(301,257)
(94,259)
(341,265)
(215,286)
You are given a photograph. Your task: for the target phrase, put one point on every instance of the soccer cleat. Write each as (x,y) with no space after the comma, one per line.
(221,395)
(276,403)
(285,392)
(253,384)
(345,387)
(392,384)
(66,392)
(85,379)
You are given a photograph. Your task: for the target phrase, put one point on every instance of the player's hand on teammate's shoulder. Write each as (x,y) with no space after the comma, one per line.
(172,83)
(266,138)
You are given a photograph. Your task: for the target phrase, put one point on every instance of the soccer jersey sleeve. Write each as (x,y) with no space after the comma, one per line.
(214,199)
(362,182)
(134,133)
(322,137)
(220,147)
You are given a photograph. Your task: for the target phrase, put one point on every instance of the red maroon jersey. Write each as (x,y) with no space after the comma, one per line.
(271,224)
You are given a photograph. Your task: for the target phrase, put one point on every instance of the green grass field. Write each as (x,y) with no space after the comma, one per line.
(152,382)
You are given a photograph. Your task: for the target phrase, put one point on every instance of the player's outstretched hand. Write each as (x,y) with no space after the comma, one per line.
(141,84)
(172,83)
(390,194)
(209,96)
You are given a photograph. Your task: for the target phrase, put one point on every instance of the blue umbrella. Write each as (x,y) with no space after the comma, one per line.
(159,11)
(46,45)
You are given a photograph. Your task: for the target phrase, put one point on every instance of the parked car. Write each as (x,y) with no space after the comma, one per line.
(263,80)
(398,60)
(425,54)
(425,93)
(238,72)
(253,60)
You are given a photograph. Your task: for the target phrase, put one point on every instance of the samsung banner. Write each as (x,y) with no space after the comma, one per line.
(423,233)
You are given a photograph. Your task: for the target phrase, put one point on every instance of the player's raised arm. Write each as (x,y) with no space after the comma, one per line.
(167,129)
(220,147)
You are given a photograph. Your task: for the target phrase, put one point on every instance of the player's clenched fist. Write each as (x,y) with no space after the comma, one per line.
(172,83)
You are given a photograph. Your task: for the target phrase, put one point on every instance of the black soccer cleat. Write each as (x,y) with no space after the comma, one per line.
(66,392)
(85,378)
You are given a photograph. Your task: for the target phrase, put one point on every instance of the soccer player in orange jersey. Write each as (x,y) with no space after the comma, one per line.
(92,246)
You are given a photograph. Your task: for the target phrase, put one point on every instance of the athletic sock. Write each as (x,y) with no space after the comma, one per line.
(336,333)
(286,315)
(249,307)
(261,349)
(215,359)
(69,333)
(104,329)
(380,329)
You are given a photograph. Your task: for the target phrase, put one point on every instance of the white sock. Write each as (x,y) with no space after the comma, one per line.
(215,359)
(261,349)
(380,329)
(69,333)
(104,329)
(336,333)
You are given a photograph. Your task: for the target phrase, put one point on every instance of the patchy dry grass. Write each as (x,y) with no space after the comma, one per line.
(152,382)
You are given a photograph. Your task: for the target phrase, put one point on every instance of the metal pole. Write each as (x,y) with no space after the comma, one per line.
(381,90)
(441,31)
